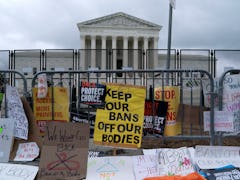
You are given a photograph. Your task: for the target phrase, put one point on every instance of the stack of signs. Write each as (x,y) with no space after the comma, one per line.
(65,151)
(6,138)
(92,93)
(120,122)
(174,162)
(16,111)
(155,113)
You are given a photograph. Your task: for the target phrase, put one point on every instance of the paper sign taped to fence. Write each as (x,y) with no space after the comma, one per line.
(223,121)
(6,138)
(120,122)
(43,106)
(92,93)
(170,94)
(65,151)
(213,157)
(15,111)
(17,171)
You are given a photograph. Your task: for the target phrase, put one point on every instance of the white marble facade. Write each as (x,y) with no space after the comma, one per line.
(124,35)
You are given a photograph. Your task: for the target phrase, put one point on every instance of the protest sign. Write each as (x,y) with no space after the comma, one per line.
(6,138)
(16,112)
(212,157)
(27,152)
(92,93)
(171,95)
(65,151)
(154,117)
(111,167)
(145,166)
(17,171)
(223,121)
(223,173)
(33,131)
(120,122)
(174,161)
(55,106)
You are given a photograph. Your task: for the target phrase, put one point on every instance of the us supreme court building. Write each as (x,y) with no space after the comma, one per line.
(127,37)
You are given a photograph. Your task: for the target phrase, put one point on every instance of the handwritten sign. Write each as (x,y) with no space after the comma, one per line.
(42,107)
(17,171)
(120,122)
(223,121)
(212,157)
(170,94)
(111,167)
(6,138)
(145,166)
(16,112)
(92,93)
(65,151)
(174,161)
(27,152)
(223,173)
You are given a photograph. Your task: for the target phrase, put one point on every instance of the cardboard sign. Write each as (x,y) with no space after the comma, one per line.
(212,157)
(111,167)
(120,123)
(6,138)
(92,93)
(174,161)
(65,151)
(154,117)
(17,171)
(170,94)
(45,111)
(16,112)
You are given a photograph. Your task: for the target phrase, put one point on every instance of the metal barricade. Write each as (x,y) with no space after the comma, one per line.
(189,83)
(225,79)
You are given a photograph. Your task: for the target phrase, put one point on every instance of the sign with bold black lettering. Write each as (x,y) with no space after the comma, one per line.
(155,113)
(92,93)
(120,122)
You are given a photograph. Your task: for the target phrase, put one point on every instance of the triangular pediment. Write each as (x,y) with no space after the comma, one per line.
(119,20)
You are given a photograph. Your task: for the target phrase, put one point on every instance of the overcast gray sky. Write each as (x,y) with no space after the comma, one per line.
(44,24)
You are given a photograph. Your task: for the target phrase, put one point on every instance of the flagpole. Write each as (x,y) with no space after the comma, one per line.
(169,40)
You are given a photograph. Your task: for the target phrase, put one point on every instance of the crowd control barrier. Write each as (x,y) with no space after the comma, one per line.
(182,89)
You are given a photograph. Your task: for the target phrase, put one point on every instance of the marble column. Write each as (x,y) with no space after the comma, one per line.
(135,53)
(125,51)
(145,47)
(82,63)
(155,53)
(93,51)
(114,54)
(103,59)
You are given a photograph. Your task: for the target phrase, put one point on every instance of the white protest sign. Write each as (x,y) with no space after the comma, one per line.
(27,152)
(114,168)
(174,161)
(144,166)
(223,121)
(6,138)
(17,172)
(212,157)
(16,112)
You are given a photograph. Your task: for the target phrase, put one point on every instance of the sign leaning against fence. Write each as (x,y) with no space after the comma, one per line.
(120,122)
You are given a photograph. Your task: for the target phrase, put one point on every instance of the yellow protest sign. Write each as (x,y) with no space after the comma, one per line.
(120,123)
(42,107)
(170,94)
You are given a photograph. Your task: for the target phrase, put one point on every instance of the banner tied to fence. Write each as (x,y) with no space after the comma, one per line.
(120,122)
